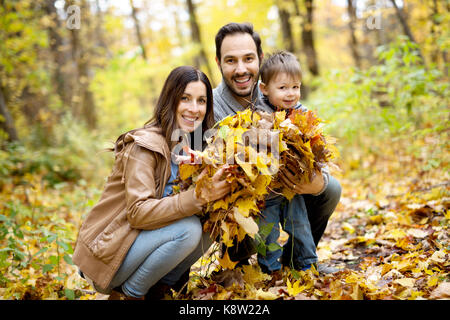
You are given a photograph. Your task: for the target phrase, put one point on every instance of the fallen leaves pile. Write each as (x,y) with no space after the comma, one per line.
(396,249)
(252,146)
(389,238)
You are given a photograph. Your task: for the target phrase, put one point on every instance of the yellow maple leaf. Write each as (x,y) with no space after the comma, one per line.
(253,274)
(261,164)
(295,288)
(395,234)
(226,237)
(432,281)
(287,193)
(225,261)
(280,116)
(244,205)
(348,227)
(186,170)
(261,183)
(220,204)
(247,167)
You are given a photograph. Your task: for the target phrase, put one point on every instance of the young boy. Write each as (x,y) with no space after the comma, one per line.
(280,85)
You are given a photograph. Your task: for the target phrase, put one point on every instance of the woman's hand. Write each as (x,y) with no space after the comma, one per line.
(292,182)
(215,189)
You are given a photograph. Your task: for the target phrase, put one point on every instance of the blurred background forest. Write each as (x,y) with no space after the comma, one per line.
(74,75)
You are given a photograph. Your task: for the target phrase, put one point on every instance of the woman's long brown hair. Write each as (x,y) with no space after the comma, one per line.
(169,99)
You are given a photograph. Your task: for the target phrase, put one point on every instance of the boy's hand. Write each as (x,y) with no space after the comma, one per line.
(292,182)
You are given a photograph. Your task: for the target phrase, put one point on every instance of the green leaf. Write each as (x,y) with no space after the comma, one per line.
(264,230)
(47,268)
(70,294)
(274,246)
(63,245)
(40,251)
(68,259)
(295,274)
(223,132)
(54,260)
(261,249)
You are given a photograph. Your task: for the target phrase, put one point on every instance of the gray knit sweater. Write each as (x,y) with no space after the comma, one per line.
(225,104)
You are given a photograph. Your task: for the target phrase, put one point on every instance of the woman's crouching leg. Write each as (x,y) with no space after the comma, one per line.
(155,253)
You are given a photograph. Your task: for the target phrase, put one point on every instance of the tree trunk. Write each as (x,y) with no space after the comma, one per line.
(99,30)
(201,58)
(83,104)
(353,41)
(7,122)
(138,30)
(308,39)
(56,44)
(406,29)
(173,4)
(286,28)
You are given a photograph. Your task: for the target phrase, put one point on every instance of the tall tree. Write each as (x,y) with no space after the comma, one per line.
(138,30)
(83,103)
(7,122)
(308,39)
(435,34)
(401,17)
(57,52)
(173,4)
(201,58)
(353,41)
(99,31)
(286,27)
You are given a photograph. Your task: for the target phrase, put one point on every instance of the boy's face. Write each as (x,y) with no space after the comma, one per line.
(283,90)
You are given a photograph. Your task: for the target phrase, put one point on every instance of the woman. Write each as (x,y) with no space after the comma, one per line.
(138,233)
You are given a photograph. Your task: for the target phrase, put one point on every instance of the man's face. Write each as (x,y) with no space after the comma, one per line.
(239,64)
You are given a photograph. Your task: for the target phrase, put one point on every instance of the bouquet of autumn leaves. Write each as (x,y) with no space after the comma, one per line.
(252,146)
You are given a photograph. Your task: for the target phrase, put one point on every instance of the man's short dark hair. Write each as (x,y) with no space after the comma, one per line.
(233,28)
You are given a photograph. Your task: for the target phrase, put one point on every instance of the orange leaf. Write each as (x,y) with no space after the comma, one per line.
(225,262)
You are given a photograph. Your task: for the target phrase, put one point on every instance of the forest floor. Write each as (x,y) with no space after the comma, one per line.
(388,238)
(385,246)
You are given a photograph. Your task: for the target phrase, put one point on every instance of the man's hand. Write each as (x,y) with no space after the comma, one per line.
(292,182)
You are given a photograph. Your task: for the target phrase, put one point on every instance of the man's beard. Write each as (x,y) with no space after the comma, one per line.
(240,94)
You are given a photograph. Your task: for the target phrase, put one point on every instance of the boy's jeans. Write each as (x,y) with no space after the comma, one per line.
(162,254)
(319,208)
(300,249)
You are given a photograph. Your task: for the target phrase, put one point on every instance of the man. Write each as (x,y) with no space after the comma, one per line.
(239,56)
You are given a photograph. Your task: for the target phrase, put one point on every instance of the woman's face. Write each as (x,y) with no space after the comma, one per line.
(192,107)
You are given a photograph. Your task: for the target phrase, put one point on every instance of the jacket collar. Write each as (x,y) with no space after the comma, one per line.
(149,137)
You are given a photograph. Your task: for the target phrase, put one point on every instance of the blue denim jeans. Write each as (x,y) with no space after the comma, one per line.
(162,254)
(300,249)
(304,218)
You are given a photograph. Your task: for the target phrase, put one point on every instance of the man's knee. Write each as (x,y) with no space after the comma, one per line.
(334,189)
(329,199)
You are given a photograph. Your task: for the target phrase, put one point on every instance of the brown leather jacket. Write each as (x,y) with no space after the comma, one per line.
(131,201)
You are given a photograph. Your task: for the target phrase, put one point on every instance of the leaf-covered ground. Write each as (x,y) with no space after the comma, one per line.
(392,247)
(389,239)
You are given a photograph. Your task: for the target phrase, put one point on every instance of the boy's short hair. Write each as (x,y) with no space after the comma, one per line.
(280,61)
